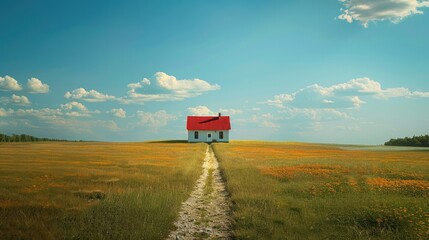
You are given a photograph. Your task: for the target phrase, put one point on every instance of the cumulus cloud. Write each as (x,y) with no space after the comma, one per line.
(280,99)
(314,96)
(44,113)
(75,109)
(19,100)
(201,111)
(366,11)
(64,118)
(144,82)
(5,113)
(343,95)
(34,85)
(89,96)
(118,112)
(154,120)
(8,83)
(74,105)
(166,88)
(184,87)
(57,115)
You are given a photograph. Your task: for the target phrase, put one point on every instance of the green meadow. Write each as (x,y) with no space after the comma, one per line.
(60,190)
(310,191)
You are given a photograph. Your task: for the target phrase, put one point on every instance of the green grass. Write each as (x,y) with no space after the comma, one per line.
(62,190)
(310,191)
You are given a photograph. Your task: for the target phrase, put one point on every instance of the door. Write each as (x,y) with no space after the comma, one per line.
(209,137)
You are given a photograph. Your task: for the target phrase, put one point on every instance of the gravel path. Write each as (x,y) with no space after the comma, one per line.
(206,213)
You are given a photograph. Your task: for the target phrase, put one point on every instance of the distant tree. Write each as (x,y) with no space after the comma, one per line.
(415,141)
(24,138)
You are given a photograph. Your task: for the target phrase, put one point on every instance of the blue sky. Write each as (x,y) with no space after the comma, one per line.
(349,71)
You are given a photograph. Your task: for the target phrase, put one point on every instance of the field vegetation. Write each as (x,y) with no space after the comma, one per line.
(72,190)
(310,191)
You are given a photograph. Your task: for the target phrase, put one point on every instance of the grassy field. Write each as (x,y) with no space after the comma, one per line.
(309,191)
(63,190)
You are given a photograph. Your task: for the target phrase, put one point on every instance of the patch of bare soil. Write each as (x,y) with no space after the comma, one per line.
(206,213)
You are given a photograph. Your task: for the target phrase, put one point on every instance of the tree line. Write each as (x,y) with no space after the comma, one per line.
(415,141)
(25,138)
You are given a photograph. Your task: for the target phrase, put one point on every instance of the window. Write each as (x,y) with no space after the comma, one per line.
(220,135)
(196,135)
(209,135)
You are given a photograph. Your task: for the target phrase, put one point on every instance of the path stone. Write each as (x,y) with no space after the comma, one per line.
(206,213)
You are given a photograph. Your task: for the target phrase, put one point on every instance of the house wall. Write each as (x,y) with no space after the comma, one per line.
(202,136)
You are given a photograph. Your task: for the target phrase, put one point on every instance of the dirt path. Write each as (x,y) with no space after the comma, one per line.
(205,215)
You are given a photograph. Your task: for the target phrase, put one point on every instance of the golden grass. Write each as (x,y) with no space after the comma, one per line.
(311,191)
(309,169)
(309,151)
(398,183)
(107,190)
(8,203)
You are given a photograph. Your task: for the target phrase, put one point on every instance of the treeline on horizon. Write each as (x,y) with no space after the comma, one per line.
(415,141)
(27,138)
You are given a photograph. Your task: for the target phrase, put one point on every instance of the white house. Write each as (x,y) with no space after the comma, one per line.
(208,128)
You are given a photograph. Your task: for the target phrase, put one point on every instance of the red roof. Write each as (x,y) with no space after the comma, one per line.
(208,123)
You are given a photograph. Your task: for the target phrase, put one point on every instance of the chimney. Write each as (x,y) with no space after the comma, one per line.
(219,115)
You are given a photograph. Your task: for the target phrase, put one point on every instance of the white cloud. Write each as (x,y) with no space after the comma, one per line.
(205,111)
(65,119)
(314,96)
(343,95)
(75,109)
(109,124)
(140,84)
(402,92)
(34,85)
(118,112)
(357,102)
(296,117)
(8,83)
(154,120)
(166,88)
(266,120)
(366,11)
(226,111)
(5,113)
(89,96)
(57,115)
(44,113)
(315,114)
(76,114)
(20,100)
(354,86)
(184,87)
(280,99)
(201,111)
(268,124)
(74,105)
